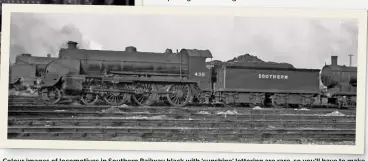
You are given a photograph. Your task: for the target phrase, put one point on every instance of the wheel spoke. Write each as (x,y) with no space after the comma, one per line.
(179,95)
(143,94)
(114,97)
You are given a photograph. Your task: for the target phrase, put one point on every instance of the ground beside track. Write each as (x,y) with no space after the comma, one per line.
(185,124)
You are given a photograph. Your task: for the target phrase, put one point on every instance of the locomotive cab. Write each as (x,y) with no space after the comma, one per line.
(198,70)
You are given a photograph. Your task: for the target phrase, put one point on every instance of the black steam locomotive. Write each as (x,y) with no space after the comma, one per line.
(181,78)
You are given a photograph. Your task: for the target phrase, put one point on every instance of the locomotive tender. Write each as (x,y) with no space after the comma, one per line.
(27,69)
(179,78)
(266,85)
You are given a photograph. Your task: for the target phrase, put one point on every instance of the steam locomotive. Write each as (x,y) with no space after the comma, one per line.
(181,78)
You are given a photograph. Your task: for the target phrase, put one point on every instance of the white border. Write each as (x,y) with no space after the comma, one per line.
(138,2)
(325,4)
(214,147)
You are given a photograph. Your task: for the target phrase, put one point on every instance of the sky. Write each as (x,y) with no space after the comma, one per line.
(302,42)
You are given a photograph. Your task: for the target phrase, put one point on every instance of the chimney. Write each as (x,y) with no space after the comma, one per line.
(333,60)
(72,45)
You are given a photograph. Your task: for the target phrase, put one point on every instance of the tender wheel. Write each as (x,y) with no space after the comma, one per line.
(116,98)
(179,95)
(144,95)
(50,95)
(88,97)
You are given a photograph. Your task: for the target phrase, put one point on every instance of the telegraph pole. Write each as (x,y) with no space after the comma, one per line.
(350,55)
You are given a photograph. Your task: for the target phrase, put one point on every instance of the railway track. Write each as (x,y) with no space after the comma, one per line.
(176,112)
(164,123)
(32,101)
(191,114)
(224,116)
(179,134)
(165,128)
(178,109)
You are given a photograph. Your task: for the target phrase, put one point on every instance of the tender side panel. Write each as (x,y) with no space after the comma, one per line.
(269,80)
(25,71)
